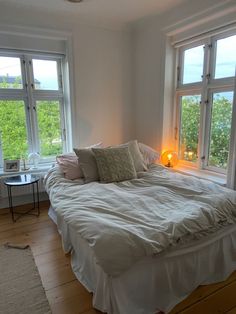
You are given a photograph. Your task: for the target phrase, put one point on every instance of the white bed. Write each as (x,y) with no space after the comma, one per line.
(158,274)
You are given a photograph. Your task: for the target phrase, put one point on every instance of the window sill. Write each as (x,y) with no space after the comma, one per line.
(202,174)
(41,169)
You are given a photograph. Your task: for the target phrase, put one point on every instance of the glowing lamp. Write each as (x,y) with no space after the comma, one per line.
(169,158)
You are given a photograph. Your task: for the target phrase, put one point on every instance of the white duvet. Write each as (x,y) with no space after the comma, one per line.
(124,222)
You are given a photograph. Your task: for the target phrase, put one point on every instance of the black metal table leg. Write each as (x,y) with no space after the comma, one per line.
(37,189)
(22,180)
(10,202)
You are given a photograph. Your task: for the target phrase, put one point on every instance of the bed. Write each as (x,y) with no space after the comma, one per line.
(143,245)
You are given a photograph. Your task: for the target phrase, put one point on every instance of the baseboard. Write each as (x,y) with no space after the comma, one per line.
(22,199)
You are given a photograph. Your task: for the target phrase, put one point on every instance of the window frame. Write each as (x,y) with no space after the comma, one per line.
(205,88)
(30,96)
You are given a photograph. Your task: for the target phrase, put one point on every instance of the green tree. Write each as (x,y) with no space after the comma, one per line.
(219,132)
(13,130)
(190,121)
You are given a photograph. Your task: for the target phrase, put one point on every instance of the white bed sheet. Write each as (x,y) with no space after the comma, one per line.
(127,221)
(151,283)
(154,283)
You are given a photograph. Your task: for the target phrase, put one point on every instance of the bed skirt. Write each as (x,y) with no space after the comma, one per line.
(154,283)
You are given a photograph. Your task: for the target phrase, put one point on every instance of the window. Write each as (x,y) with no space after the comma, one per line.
(204,96)
(31,106)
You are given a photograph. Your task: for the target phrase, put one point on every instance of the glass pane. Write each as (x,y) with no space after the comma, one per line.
(10,73)
(225,57)
(49,124)
(189,129)
(220,129)
(45,74)
(193,65)
(13,129)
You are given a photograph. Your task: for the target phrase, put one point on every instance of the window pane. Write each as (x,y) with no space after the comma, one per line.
(225,57)
(189,128)
(45,74)
(220,129)
(48,114)
(10,73)
(13,130)
(193,65)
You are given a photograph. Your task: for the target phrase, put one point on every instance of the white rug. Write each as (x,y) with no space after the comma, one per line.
(21,290)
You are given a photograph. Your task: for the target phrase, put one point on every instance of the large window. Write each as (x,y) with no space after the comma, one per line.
(31,106)
(205,92)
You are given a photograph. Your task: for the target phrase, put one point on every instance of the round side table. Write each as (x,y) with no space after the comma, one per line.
(22,180)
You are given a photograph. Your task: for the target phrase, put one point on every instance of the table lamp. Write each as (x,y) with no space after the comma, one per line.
(169,158)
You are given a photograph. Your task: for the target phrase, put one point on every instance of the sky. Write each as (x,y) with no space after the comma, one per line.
(45,71)
(225,61)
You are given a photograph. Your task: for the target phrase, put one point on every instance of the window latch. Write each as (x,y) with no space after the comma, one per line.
(208,76)
(176,133)
(178,74)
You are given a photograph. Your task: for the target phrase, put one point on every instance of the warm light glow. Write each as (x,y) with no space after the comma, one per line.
(190,155)
(169,158)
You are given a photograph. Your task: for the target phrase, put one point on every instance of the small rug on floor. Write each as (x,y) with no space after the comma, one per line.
(21,288)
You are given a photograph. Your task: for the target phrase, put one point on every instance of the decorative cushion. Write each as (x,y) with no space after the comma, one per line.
(149,154)
(69,165)
(88,163)
(139,163)
(115,164)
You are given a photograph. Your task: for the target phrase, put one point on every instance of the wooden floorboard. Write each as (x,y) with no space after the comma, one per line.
(65,293)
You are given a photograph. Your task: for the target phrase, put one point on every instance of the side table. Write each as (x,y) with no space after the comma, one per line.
(22,180)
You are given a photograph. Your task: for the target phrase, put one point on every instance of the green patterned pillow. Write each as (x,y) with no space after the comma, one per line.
(114,164)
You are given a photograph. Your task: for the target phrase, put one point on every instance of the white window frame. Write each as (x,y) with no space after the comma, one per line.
(30,96)
(205,88)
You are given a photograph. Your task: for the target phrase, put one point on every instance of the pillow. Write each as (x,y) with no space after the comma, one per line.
(114,164)
(69,165)
(139,163)
(149,154)
(88,163)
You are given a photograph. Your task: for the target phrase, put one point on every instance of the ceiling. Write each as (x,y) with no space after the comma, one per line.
(117,11)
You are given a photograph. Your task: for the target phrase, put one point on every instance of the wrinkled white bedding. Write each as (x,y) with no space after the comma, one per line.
(124,222)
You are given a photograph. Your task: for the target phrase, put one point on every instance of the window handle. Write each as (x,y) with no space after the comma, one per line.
(203,158)
(32,86)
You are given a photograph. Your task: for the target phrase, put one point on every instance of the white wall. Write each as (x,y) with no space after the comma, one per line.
(102,107)
(153,73)
(100,78)
(103,86)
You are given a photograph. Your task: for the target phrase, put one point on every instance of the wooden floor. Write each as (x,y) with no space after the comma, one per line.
(67,296)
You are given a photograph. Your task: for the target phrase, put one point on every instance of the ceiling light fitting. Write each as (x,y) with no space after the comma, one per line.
(75,1)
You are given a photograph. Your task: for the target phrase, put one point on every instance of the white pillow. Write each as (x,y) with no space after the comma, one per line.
(88,162)
(69,165)
(137,157)
(149,154)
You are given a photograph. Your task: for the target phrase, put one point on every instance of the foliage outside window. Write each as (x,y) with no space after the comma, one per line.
(205,94)
(31,106)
